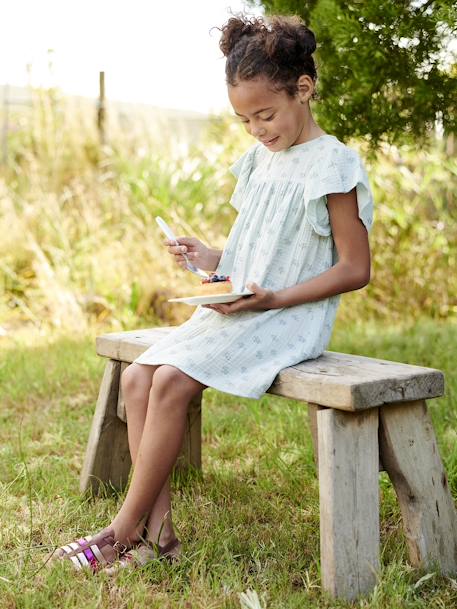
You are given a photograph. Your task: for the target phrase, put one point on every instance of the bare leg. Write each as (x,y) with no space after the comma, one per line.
(159,447)
(156,429)
(136,385)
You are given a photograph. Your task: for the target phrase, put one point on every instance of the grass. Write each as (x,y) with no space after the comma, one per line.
(79,247)
(251,523)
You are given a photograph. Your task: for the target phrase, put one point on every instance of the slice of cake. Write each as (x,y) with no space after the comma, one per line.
(215,284)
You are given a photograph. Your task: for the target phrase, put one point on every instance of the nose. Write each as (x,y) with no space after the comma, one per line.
(257,130)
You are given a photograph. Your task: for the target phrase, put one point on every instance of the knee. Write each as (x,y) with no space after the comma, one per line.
(171,385)
(133,382)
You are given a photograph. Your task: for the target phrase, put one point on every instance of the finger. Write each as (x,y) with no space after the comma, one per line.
(172,245)
(247,303)
(219,309)
(187,241)
(179,240)
(234,306)
(212,307)
(238,305)
(177,250)
(253,287)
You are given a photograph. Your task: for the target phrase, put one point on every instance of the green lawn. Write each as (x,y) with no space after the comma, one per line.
(251,523)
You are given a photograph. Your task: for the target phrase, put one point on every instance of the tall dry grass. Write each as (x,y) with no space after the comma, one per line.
(414,240)
(79,244)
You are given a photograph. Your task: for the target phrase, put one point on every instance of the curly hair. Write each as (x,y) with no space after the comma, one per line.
(280,49)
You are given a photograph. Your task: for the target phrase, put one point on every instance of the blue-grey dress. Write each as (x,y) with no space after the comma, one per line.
(282,236)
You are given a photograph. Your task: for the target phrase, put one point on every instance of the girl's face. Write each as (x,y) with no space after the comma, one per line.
(273,117)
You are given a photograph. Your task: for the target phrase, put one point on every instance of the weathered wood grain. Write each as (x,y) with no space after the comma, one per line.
(312,418)
(127,346)
(411,458)
(191,451)
(107,458)
(335,380)
(120,401)
(349,501)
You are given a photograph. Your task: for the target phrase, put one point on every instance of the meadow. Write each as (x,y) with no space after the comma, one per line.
(80,255)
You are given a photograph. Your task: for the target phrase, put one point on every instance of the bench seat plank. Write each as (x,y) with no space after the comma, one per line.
(335,380)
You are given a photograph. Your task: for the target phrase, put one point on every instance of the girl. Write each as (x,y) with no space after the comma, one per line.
(299,241)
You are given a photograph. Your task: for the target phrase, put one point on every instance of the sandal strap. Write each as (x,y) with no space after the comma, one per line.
(86,552)
(78,555)
(162,550)
(171,545)
(69,554)
(101,540)
(99,556)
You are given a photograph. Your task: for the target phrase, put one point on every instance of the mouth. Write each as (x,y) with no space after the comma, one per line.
(270,142)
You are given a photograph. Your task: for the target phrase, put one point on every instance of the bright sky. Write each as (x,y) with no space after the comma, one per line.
(156,52)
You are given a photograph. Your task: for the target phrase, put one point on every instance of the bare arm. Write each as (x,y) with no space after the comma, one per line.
(352,271)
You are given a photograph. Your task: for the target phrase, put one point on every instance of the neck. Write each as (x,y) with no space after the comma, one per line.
(310,130)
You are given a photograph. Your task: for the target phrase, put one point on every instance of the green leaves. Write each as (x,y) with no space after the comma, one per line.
(386,70)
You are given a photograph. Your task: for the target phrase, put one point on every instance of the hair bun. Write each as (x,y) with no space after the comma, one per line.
(279,48)
(289,38)
(307,40)
(235,29)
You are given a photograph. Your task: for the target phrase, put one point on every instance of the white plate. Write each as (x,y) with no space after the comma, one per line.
(213,299)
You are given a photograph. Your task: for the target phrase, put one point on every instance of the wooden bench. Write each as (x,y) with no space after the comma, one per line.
(363,412)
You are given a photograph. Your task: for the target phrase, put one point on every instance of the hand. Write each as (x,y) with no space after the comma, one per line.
(261,300)
(196,251)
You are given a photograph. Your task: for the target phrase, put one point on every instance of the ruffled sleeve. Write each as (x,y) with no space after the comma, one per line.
(340,170)
(242,169)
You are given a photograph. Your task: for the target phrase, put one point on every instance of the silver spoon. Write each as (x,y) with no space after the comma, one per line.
(170,235)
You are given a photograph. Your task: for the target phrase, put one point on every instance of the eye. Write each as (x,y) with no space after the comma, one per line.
(269,118)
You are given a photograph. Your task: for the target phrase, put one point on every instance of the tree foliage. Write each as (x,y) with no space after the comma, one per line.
(386,68)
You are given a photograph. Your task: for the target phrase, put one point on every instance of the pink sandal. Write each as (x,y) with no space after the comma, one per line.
(85,553)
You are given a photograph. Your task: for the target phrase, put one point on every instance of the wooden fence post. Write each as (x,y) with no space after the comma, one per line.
(101,112)
(6,89)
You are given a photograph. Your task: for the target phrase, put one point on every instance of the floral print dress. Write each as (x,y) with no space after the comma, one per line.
(282,236)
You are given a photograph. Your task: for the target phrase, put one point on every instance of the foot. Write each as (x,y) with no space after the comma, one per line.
(144,553)
(93,552)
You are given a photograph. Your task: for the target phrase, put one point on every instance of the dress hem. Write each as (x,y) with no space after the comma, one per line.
(198,377)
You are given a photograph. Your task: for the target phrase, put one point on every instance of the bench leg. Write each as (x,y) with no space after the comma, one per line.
(411,458)
(313,409)
(190,456)
(107,459)
(349,501)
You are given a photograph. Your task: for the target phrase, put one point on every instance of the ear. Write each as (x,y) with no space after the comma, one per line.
(305,88)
